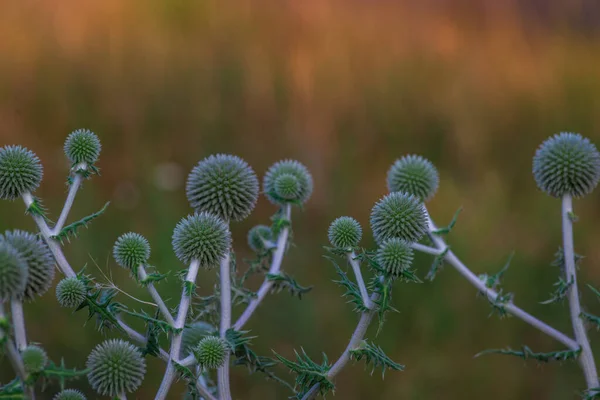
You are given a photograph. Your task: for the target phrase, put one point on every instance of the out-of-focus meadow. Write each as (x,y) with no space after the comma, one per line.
(346,87)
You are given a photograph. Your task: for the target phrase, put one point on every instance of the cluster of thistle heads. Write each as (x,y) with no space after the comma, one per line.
(222,189)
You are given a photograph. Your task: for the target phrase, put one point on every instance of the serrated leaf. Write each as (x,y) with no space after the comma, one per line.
(37,209)
(12,391)
(282,281)
(71,230)
(308,373)
(561,291)
(527,354)
(352,292)
(438,263)
(446,230)
(375,357)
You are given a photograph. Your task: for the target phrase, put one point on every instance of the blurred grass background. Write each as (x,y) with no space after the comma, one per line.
(346,87)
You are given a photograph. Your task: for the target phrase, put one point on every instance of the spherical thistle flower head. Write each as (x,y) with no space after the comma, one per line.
(70,292)
(193,334)
(130,250)
(211,351)
(394,256)
(203,237)
(345,233)
(39,261)
(567,164)
(13,272)
(276,187)
(82,146)
(414,175)
(34,358)
(259,237)
(115,366)
(400,215)
(69,394)
(20,172)
(223,185)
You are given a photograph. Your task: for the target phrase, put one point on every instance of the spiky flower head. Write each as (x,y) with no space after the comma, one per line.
(394,256)
(39,261)
(34,358)
(567,164)
(115,366)
(414,175)
(204,237)
(278,185)
(193,334)
(13,272)
(70,292)
(345,233)
(211,351)
(20,172)
(223,185)
(130,250)
(398,215)
(69,394)
(82,146)
(259,237)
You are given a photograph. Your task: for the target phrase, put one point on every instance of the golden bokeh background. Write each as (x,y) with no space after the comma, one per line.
(346,87)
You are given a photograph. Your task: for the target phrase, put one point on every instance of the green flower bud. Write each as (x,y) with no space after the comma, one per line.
(276,187)
(223,185)
(34,358)
(131,250)
(20,172)
(211,351)
(567,164)
(345,233)
(70,292)
(398,215)
(193,334)
(204,237)
(259,238)
(395,256)
(115,367)
(413,175)
(82,146)
(13,272)
(69,394)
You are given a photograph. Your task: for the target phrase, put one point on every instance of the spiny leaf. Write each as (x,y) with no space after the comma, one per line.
(448,229)
(153,277)
(383,289)
(375,356)
(352,292)
(308,373)
(152,346)
(283,281)
(279,221)
(562,288)
(591,318)
(559,260)
(162,325)
(99,303)
(12,391)
(527,354)
(37,209)
(499,304)
(71,230)
(405,275)
(590,394)
(595,291)
(438,263)
(493,281)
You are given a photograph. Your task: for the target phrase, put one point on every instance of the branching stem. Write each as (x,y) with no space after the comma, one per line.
(142,275)
(75,185)
(359,279)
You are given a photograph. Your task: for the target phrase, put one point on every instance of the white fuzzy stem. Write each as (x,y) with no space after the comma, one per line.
(142,275)
(511,308)
(122,396)
(184,306)
(18,319)
(586,359)
(11,350)
(274,269)
(141,339)
(223,372)
(359,279)
(70,199)
(426,249)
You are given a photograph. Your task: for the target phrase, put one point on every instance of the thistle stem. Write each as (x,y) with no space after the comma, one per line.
(359,279)
(223,372)
(138,337)
(586,358)
(142,275)
(184,305)
(274,269)
(18,319)
(122,396)
(426,249)
(75,185)
(11,351)
(511,308)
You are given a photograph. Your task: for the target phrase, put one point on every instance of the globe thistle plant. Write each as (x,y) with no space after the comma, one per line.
(115,367)
(211,351)
(345,233)
(20,172)
(260,238)
(82,146)
(223,185)
(413,175)
(193,334)
(131,250)
(70,292)
(203,237)
(395,256)
(567,164)
(398,215)
(69,394)
(281,189)
(39,261)
(34,358)
(13,272)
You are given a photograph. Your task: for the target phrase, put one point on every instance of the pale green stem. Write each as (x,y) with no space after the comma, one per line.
(70,199)
(359,279)
(223,372)
(142,275)
(18,319)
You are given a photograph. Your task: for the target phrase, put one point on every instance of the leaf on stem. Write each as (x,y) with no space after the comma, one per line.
(448,229)
(71,230)
(352,292)
(309,373)
(527,354)
(562,288)
(374,356)
(282,281)
(36,208)
(438,263)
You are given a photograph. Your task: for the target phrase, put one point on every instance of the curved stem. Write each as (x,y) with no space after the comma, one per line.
(11,351)
(359,279)
(184,305)
(223,372)
(274,269)
(142,275)
(18,319)
(511,308)
(141,339)
(75,185)
(586,358)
